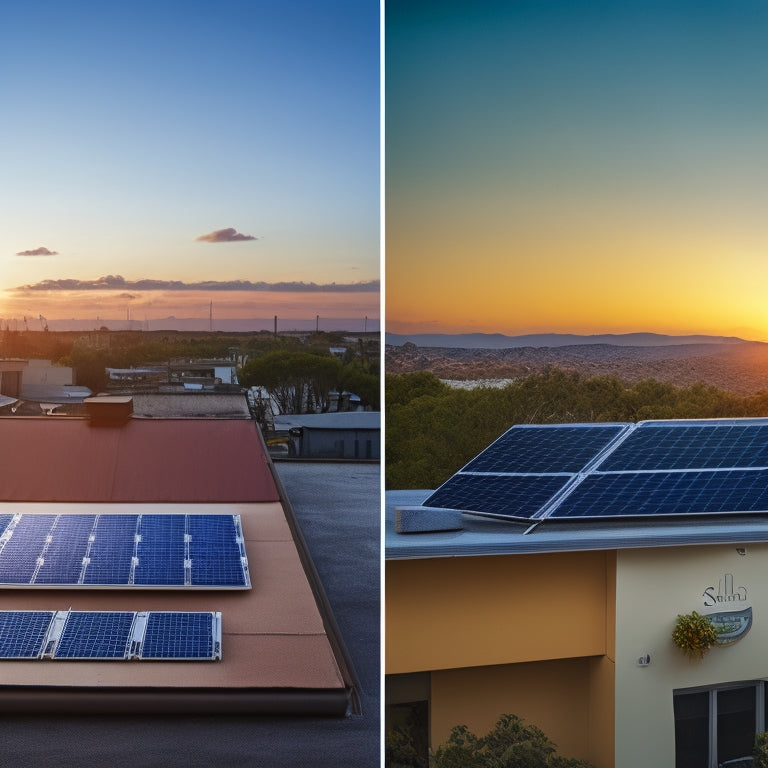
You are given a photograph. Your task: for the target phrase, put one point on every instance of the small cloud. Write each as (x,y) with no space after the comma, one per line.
(41,251)
(228,235)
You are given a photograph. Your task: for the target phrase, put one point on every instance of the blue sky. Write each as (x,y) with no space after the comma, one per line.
(587,167)
(131,129)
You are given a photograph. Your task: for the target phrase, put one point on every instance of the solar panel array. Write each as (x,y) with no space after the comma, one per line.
(110,635)
(119,550)
(585,471)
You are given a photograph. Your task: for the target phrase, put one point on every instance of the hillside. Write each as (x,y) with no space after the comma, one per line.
(734,365)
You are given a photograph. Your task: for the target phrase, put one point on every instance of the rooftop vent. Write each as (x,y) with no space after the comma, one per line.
(109,411)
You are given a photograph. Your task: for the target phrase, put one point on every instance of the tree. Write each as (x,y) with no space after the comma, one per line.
(366,385)
(509,744)
(433,430)
(299,382)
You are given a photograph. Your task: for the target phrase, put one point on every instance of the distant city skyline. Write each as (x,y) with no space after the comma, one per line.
(576,168)
(175,143)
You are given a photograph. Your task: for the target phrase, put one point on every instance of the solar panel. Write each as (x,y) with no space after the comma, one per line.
(149,550)
(110,635)
(177,635)
(545,449)
(4,520)
(666,493)
(61,561)
(216,550)
(23,633)
(111,552)
(664,468)
(160,553)
(22,550)
(95,635)
(515,496)
(691,445)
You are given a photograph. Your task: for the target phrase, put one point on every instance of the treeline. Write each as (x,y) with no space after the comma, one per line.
(302,381)
(280,362)
(432,430)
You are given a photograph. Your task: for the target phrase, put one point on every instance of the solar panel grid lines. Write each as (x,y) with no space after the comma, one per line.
(220,537)
(95,635)
(23,633)
(161,551)
(110,635)
(19,558)
(659,494)
(111,552)
(529,449)
(118,550)
(5,520)
(513,496)
(659,468)
(175,635)
(692,445)
(61,560)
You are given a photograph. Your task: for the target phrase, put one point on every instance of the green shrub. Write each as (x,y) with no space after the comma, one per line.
(694,634)
(509,744)
(761,750)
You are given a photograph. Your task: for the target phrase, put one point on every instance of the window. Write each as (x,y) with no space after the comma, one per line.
(716,726)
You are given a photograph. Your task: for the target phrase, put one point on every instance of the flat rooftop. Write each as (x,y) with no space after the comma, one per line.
(273,635)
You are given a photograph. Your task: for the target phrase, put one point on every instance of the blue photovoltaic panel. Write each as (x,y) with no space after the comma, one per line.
(95,635)
(661,468)
(659,446)
(63,556)
(22,633)
(178,635)
(666,493)
(508,496)
(172,550)
(545,449)
(4,520)
(161,550)
(111,553)
(19,556)
(110,635)
(214,551)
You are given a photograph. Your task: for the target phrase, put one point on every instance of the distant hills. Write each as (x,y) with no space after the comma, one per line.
(731,364)
(500,341)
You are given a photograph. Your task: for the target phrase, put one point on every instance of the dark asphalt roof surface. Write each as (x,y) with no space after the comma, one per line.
(338,508)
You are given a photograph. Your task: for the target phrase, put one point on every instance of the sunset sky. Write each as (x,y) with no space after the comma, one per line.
(577,167)
(208,141)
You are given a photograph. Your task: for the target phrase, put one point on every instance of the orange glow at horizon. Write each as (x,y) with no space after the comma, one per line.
(61,305)
(517,277)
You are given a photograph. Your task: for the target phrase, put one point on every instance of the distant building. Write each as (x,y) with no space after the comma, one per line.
(37,385)
(11,372)
(187,374)
(351,435)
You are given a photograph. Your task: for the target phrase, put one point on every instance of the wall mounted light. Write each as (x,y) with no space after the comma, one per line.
(741,550)
(644,661)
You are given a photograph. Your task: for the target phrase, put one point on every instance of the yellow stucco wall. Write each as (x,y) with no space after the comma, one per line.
(553,695)
(653,587)
(477,611)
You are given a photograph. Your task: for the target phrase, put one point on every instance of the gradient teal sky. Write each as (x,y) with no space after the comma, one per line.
(583,167)
(132,128)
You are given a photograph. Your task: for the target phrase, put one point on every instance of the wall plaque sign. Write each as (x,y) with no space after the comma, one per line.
(727,606)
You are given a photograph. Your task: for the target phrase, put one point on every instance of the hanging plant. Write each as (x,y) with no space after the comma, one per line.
(694,634)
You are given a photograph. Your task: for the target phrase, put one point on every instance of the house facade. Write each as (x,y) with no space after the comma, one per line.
(568,624)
